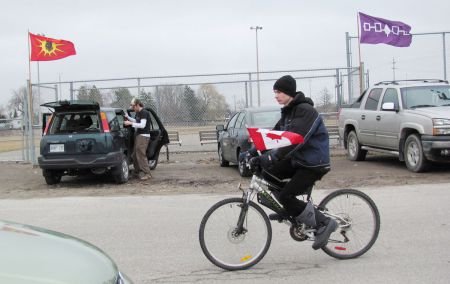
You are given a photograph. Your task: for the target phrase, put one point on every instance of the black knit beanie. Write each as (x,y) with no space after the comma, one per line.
(287,85)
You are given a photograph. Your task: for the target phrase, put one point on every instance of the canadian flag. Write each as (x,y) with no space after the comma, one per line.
(266,139)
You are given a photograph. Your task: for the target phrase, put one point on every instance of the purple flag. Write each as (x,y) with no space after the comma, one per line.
(377,30)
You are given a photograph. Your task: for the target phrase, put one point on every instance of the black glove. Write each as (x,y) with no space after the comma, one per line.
(266,161)
(254,164)
(247,155)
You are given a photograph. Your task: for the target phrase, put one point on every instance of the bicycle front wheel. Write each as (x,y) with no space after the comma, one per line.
(358,219)
(228,247)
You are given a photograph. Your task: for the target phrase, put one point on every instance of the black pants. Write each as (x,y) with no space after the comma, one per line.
(301,180)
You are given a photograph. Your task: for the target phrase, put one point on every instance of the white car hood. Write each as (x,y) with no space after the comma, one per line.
(34,255)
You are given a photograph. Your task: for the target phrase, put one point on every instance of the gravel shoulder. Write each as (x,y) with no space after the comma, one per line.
(187,173)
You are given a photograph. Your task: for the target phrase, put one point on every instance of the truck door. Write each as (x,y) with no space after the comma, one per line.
(388,121)
(367,118)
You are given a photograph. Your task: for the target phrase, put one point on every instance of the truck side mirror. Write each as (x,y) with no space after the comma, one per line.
(389,106)
(220,127)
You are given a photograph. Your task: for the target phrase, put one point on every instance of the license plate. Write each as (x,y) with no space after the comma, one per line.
(56,148)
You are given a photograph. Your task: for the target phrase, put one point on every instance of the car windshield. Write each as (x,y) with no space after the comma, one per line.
(265,119)
(426,96)
(75,123)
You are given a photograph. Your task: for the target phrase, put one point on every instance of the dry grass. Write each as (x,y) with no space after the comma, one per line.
(13,145)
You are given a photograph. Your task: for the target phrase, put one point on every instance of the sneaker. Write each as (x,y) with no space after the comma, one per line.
(146,177)
(323,233)
(276,217)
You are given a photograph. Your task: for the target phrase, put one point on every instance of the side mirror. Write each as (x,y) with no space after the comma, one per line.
(389,106)
(220,127)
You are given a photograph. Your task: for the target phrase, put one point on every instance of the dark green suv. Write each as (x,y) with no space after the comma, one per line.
(80,137)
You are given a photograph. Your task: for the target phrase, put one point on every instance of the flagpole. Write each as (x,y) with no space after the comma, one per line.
(30,104)
(359,53)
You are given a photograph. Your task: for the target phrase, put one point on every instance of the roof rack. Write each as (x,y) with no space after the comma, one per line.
(396,82)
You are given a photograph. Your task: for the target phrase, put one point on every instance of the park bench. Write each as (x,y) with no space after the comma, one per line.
(174,139)
(208,137)
(333,132)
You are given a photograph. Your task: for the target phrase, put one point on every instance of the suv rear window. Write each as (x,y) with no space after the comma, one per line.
(75,123)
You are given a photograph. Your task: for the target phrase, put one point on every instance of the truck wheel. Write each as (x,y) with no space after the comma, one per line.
(51,176)
(354,151)
(121,172)
(414,158)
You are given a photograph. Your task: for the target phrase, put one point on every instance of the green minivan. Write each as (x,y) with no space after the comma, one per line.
(81,137)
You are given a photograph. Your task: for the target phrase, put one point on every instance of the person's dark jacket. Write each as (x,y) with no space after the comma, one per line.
(301,117)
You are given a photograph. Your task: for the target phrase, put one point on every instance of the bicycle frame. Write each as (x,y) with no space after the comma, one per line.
(260,185)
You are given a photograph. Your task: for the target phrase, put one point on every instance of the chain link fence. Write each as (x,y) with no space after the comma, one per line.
(189,103)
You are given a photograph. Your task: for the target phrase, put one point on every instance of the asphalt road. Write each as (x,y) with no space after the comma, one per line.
(154,238)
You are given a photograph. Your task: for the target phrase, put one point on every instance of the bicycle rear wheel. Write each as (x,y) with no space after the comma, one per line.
(224,245)
(358,219)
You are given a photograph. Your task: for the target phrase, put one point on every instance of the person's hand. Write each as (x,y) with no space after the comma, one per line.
(127,123)
(266,161)
(255,164)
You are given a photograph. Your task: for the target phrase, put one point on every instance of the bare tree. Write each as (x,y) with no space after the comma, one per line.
(213,103)
(16,104)
(325,103)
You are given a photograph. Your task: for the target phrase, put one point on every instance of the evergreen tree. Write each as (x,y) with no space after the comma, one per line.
(147,99)
(192,104)
(122,98)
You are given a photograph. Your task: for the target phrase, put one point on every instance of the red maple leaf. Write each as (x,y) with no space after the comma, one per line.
(273,136)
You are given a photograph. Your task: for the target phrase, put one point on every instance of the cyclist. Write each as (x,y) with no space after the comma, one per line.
(303,163)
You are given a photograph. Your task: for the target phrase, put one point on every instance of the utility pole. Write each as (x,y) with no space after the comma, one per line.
(257,62)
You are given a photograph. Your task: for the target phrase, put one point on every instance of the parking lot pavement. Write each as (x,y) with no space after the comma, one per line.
(155,238)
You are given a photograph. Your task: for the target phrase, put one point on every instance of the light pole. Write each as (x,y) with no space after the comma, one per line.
(256,28)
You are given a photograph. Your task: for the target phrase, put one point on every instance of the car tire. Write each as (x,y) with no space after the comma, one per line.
(244,170)
(52,176)
(415,159)
(121,172)
(222,161)
(354,151)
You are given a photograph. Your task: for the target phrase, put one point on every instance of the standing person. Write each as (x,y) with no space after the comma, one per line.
(303,163)
(141,124)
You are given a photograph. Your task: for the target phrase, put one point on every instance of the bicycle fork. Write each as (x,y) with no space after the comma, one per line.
(243,214)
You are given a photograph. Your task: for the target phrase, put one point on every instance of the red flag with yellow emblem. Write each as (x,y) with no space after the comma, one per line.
(46,49)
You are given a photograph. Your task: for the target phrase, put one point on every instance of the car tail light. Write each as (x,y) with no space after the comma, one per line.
(47,125)
(104,122)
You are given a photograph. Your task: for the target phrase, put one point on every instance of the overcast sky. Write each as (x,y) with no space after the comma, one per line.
(166,37)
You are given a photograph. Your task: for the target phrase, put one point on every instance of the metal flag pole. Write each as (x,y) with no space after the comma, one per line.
(30,105)
(359,54)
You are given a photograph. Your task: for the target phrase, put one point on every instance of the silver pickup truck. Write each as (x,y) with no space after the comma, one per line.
(409,118)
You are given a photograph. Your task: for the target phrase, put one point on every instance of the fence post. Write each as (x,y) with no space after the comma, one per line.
(25,126)
(56,92)
(71,90)
(250,89)
(246,94)
(338,88)
(30,123)
(139,86)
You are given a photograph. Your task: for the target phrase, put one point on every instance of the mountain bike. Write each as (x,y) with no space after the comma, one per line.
(236,233)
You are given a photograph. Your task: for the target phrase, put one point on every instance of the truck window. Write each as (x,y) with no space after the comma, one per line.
(390,96)
(372,99)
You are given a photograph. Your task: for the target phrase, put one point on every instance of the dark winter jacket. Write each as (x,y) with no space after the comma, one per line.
(301,117)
